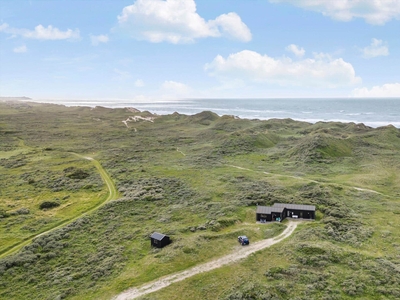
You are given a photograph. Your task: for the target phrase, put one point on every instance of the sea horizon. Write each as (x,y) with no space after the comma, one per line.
(373,112)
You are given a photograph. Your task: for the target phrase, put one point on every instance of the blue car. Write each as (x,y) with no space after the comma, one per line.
(243,240)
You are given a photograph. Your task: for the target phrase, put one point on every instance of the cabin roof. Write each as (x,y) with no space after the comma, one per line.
(158,236)
(269,209)
(295,206)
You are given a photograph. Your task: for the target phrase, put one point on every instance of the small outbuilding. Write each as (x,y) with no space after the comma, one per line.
(280,211)
(159,240)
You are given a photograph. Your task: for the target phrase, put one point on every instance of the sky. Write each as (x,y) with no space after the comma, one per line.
(178,49)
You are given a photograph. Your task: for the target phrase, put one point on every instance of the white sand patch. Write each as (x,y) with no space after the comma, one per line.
(137,119)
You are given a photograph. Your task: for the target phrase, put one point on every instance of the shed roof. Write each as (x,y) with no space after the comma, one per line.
(158,236)
(269,209)
(295,206)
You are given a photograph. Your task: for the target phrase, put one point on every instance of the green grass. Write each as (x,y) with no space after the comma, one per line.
(20,231)
(177,176)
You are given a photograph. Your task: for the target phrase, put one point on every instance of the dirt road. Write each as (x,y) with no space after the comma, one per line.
(245,251)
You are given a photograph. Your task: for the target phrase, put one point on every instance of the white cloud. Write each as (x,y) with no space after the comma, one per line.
(175,88)
(97,39)
(20,49)
(375,49)
(41,33)
(299,52)
(232,26)
(386,90)
(376,12)
(120,75)
(249,66)
(139,83)
(3,27)
(176,21)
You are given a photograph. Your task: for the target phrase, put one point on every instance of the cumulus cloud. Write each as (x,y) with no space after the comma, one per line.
(20,49)
(41,33)
(320,71)
(386,90)
(377,48)
(176,21)
(97,39)
(296,50)
(232,26)
(175,88)
(139,83)
(376,12)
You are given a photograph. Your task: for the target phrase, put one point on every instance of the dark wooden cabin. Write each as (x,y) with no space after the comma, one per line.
(159,240)
(281,211)
(269,213)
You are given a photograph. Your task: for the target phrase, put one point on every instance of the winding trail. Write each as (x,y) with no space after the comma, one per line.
(177,149)
(245,251)
(112,195)
(309,180)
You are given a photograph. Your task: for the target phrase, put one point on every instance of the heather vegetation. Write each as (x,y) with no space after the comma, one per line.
(198,179)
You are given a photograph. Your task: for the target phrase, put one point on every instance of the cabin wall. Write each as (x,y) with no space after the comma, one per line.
(160,244)
(165,241)
(301,214)
(266,217)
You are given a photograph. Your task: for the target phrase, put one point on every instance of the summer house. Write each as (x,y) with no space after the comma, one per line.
(281,211)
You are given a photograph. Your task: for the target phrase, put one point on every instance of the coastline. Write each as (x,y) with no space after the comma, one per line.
(373,112)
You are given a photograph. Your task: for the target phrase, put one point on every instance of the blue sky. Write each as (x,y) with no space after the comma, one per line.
(173,49)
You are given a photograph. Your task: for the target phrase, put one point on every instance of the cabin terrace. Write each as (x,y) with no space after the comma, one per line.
(280,211)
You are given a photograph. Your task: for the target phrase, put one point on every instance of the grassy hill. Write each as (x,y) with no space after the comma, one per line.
(197,178)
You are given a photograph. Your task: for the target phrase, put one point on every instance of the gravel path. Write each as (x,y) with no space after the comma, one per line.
(245,251)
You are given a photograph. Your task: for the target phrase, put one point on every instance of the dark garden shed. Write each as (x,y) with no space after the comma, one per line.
(159,240)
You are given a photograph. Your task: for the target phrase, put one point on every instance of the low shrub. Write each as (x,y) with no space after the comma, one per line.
(48,204)
(3,214)
(23,211)
(75,173)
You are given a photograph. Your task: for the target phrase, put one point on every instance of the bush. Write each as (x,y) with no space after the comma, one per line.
(75,173)
(48,204)
(3,214)
(252,291)
(23,211)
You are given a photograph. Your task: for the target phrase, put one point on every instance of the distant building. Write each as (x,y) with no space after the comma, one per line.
(281,211)
(159,240)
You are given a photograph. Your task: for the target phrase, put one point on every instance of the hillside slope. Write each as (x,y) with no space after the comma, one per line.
(197,178)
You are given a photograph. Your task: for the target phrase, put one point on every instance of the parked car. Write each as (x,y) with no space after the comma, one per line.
(243,240)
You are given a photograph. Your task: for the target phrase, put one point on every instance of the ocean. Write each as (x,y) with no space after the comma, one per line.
(372,112)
